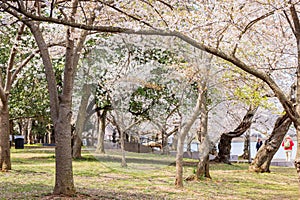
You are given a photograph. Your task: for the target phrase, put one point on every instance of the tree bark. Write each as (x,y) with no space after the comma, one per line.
(122,141)
(264,156)
(295,114)
(164,142)
(60,112)
(5,162)
(179,161)
(101,131)
(181,138)
(29,131)
(64,183)
(203,138)
(175,141)
(226,138)
(246,154)
(80,121)
(203,168)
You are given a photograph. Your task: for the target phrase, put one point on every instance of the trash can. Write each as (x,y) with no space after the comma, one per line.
(19,142)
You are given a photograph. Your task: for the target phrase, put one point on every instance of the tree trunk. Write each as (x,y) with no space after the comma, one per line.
(246,154)
(61,106)
(226,138)
(203,138)
(64,183)
(101,132)
(175,141)
(224,147)
(203,168)
(189,144)
(181,138)
(5,163)
(122,141)
(164,142)
(23,128)
(29,131)
(179,161)
(60,112)
(264,156)
(80,121)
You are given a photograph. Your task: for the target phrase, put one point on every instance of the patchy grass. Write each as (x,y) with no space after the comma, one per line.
(148,176)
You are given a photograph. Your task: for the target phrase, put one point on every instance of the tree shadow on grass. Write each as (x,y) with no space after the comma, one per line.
(117,159)
(32,191)
(116,195)
(14,191)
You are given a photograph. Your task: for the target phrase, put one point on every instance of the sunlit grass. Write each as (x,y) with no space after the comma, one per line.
(148,176)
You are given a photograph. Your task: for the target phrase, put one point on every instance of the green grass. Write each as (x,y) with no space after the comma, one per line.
(148,176)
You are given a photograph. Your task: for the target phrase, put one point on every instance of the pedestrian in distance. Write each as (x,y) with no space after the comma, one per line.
(258,144)
(288,147)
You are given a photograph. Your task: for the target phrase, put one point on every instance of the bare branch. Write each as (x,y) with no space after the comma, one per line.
(11,60)
(249,25)
(128,15)
(148,3)
(296,21)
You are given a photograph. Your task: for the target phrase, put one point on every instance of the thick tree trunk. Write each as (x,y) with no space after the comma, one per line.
(80,121)
(264,156)
(203,168)
(61,108)
(224,147)
(246,150)
(226,138)
(101,132)
(5,162)
(64,183)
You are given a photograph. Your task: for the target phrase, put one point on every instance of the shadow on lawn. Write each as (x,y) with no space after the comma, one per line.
(110,194)
(117,159)
(40,191)
(11,190)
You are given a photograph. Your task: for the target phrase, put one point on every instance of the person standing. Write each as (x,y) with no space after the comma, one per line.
(288,147)
(258,144)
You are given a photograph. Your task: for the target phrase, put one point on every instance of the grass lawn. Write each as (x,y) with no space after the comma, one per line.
(148,176)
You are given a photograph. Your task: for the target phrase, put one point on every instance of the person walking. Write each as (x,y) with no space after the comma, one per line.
(258,144)
(288,147)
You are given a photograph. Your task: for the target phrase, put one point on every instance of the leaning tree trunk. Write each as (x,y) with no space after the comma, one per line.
(80,121)
(181,138)
(264,156)
(101,132)
(226,138)
(5,163)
